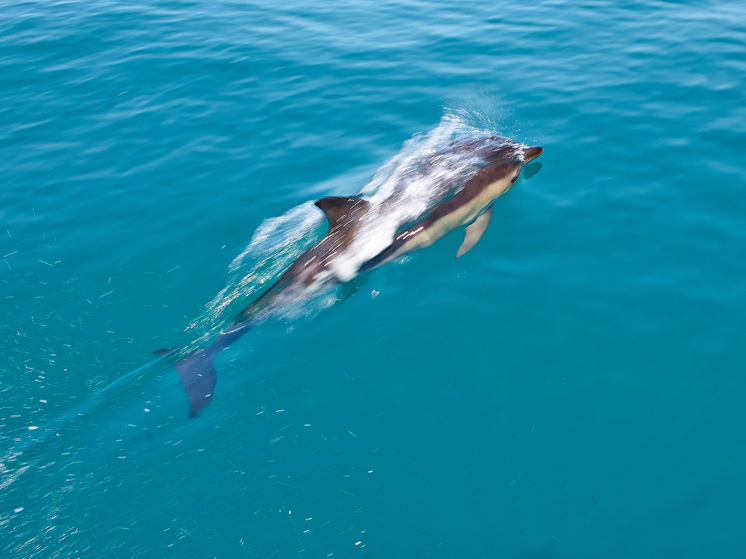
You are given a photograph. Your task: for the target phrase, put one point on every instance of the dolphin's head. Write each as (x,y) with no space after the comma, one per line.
(506,157)
(497,149)
(493,149)
(503,160)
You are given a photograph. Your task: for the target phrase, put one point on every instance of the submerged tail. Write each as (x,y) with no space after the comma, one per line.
(197,374)
(197,370)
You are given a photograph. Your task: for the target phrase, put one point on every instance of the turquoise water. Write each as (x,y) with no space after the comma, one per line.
(572,387)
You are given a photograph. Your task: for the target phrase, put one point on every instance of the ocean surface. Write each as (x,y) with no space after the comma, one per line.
(573,387)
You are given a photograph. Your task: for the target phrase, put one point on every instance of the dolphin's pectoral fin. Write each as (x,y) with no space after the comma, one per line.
(474,233)
(337,207)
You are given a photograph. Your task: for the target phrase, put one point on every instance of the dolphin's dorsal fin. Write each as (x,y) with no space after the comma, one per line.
(474,232)
(337,207)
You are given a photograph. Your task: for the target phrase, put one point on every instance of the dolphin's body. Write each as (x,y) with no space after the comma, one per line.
(315,268)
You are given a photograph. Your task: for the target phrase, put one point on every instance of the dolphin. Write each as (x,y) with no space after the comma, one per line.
(314,269)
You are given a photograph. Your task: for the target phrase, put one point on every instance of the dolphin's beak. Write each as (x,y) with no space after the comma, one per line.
(532,153)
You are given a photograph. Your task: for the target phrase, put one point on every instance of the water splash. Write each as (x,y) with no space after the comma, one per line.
(428,169)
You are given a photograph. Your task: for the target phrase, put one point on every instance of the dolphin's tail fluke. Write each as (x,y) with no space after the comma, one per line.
(197,369)
(197,374)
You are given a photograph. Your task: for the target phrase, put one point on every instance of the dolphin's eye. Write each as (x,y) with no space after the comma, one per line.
(515,180)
